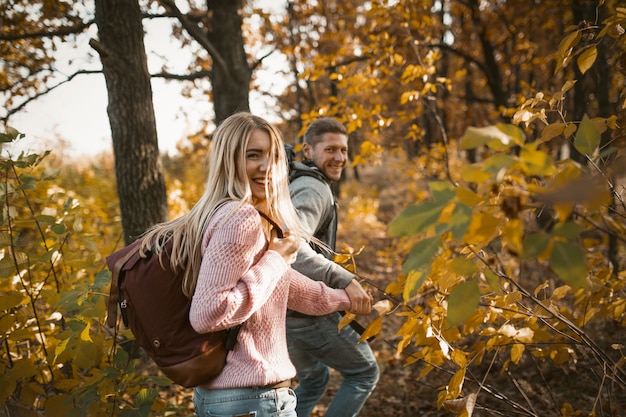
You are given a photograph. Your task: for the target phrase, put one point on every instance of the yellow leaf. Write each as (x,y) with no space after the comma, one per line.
(568,43)
(373,329)
(587,59)
(383,307)
(462,407)
(563,210)
(540,288)
(456,383)
(346,320)
(458,357)
(482,229)
(551,131)
(84,335)
(474,173)
(525,335)
(512,235)
(560,356)
(535,162)
(561,292)
(517,350)
(569,130)
(467,196)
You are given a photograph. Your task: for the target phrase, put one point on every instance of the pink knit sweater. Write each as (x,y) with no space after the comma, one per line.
(241,281)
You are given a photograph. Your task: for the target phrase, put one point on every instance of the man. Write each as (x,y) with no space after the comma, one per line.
(315,344)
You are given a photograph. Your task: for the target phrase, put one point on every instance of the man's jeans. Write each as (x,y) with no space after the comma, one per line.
(315,346)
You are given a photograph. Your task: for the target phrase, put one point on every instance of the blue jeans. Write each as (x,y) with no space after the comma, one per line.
(245,402)
(315,346)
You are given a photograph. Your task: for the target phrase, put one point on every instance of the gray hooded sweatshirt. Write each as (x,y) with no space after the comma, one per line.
(315,205)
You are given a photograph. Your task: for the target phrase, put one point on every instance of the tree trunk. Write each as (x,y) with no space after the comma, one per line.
(140,182)
(230,82)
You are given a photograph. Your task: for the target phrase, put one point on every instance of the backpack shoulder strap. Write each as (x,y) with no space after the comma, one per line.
(116,269)
(319,175)
(297,173)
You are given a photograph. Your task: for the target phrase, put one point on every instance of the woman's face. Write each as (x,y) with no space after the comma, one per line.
(258,163)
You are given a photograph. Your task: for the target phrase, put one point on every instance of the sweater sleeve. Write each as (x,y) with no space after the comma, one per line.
(313,201)
(314,297)
(237,275)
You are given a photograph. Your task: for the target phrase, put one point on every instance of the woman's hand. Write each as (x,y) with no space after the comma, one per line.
(286,247)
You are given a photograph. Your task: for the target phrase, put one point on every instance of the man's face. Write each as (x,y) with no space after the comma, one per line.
(330,155)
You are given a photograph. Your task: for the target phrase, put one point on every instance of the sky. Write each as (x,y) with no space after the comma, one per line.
(72,118)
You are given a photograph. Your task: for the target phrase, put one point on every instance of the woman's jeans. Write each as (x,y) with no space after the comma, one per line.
(315,346)
(245,402)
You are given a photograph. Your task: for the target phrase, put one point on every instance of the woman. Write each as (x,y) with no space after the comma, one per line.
(239,272)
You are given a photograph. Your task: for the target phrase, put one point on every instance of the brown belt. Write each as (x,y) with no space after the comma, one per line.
(282,384)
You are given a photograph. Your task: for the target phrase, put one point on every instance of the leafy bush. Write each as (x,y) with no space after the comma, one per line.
(58,358)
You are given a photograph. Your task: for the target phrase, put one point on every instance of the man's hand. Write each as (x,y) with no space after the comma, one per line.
(361,300)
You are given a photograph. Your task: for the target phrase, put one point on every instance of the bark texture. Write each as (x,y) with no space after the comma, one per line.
(140,182)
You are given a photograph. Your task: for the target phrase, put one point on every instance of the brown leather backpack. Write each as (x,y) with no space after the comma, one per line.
(153,306)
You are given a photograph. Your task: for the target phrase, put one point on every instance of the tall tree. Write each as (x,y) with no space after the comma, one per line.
(140,182)
(218,30)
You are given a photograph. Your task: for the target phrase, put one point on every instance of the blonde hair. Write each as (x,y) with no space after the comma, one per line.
(227,181)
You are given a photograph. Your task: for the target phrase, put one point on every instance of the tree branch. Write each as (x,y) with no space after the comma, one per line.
(196,33)
(62,31)
(184,77)
(258,61)
(46,91)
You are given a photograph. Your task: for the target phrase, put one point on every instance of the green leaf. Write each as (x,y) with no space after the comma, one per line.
(568,230)
(462,303)
(493,280)
(419,218)
(11,299)
(496,163)
(534,245)
(103,278)
(415,219)
(5,239)
(45,219)
(460,220)
(58,228)
(7,268)
(587,137)
(10,135)
(442,192)
(120,360)
(568,262)
(421,255)
(145,397)
(463,266)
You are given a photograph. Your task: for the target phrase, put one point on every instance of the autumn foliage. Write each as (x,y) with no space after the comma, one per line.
(487,187)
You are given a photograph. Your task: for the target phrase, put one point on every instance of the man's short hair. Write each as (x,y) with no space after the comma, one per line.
(317,129)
